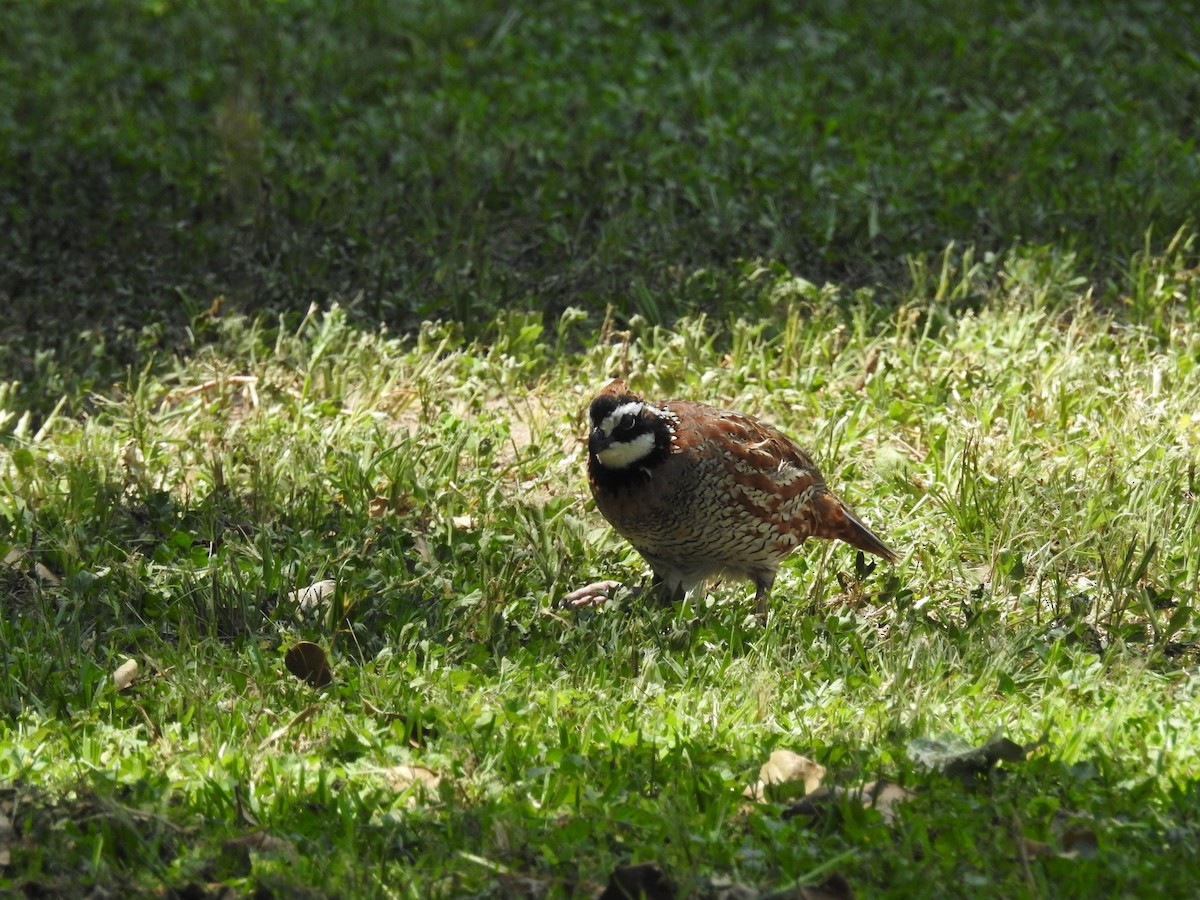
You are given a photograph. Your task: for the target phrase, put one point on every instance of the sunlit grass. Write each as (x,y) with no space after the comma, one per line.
(1032,458)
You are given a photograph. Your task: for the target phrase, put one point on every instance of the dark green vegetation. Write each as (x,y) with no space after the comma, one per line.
(445,158)
(948,248)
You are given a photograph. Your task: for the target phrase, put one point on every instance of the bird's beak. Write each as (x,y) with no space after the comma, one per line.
(598,441)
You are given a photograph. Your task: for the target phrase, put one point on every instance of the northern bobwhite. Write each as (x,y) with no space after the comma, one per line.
(700,491)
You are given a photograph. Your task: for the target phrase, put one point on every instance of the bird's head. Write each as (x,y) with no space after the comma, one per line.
(627,432)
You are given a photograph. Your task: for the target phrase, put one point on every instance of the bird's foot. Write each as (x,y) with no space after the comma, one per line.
(594,594)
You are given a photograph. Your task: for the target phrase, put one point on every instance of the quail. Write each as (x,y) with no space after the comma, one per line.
(700,491)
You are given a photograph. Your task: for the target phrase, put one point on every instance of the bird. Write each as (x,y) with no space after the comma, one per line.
(701,491)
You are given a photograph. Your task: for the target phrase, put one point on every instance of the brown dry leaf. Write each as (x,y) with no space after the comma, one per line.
(640,881)
(417,780)
(236,851)
(261,842)
(881,795)
(419,731)
(815,806)
(14,557)
(519,886)
(465,523)
(241,808)
(402,777)
(835,887)
(7,838)
(125,674)
(722,887)
(378,506)
(46,575)
(314,597)
(298,719)
(423,550)
(885,796)
(870,364)
(307,661)
(1080,843)
(785,774)
(133,461)
(1031,849)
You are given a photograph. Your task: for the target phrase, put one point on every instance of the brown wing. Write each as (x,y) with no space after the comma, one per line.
(777,477)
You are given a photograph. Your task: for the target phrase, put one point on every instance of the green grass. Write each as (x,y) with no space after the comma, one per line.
(444,159)
(296,292)
(1034,459)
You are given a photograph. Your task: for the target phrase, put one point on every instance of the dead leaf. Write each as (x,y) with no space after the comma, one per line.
(282,730)
(236,851)
(722,887)
(1031,849)
(7,837)
(640,881)
(835,887)
(815,806)
(241,808)
(424,552)
(314,597)
(125,674)
(416,727)
(262,842)
(307,662)
(952,756)
(525,887)
(1080,843)
(883,796)
(784,775)
(414,779)
(133,461)
(465,523)
(40,571)
(46,575)
(378,506)
(870,364)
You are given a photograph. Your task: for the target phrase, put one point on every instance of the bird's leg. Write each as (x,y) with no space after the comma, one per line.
(762,590)
(665,593)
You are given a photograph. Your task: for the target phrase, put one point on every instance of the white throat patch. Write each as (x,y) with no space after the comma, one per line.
(623,454)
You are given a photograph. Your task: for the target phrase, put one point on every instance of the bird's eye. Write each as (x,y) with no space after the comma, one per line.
(627,422)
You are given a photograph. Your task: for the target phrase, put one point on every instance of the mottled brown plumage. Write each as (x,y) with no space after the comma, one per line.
(701,491)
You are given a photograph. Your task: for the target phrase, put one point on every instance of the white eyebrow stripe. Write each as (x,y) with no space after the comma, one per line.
(633,408)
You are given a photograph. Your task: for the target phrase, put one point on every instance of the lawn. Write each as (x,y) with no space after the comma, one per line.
(302,310)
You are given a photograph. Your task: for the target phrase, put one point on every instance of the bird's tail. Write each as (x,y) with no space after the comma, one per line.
(836,522)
